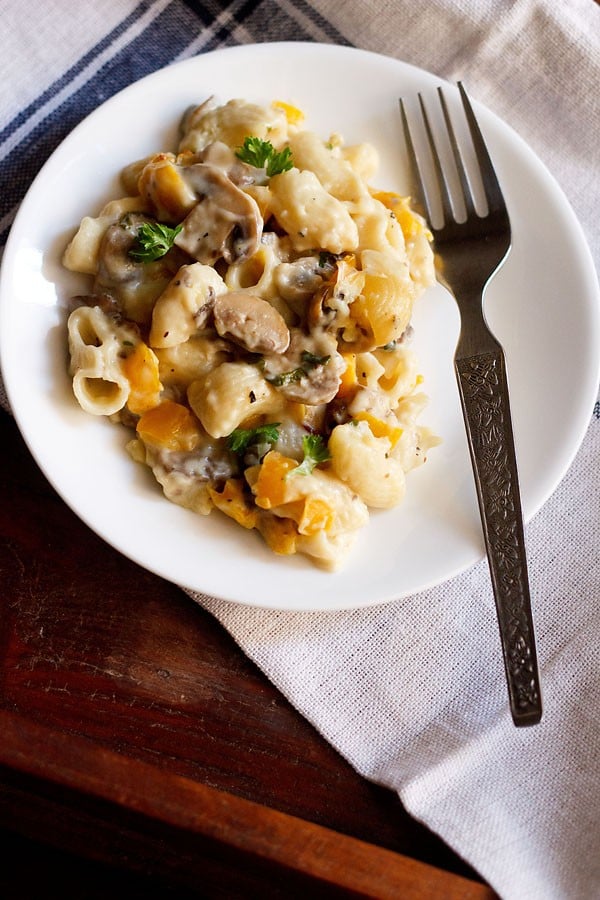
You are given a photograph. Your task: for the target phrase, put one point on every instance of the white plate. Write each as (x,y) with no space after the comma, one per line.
(543,306)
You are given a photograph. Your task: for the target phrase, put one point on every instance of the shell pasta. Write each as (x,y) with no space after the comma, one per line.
(248,319)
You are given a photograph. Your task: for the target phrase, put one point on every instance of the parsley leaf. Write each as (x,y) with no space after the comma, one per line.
(255,152)
(315,452)
(153,240)
(240,438)
(286,377)
(310,361)
(280,162)
(262,155)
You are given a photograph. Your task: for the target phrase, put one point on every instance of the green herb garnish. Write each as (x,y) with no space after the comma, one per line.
(310,361)
(153,240)
(263,155)
(286,377)
(241,438)
(315,452)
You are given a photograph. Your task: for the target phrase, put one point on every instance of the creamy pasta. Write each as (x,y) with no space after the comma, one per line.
(248,318)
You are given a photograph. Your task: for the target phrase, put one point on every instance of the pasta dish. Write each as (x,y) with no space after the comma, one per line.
(248,320)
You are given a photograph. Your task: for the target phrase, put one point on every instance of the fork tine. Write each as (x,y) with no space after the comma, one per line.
(414,163)
(442,183)
(458,159)
(491,187)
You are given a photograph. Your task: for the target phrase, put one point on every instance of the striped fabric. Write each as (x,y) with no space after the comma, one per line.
(110,52)
(392,687)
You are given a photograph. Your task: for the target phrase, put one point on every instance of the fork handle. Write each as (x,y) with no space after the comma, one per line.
(483,390)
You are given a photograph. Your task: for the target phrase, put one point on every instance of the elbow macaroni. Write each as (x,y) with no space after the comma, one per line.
(96,346)
(220,425)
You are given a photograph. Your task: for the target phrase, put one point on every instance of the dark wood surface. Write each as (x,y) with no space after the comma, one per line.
(112,676)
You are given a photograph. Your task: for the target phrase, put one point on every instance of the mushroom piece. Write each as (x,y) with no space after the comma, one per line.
(135,285)
(193,116)
(309,372)
(225,223)
(297,281)
(107,303)
(223,157)
(251,322)
(330,305)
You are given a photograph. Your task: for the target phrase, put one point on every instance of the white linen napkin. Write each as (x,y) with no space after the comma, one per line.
(412,693)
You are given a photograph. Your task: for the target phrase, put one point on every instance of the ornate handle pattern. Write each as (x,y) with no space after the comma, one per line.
(484,396)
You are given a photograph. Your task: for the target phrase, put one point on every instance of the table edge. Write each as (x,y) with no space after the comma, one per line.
(288,843)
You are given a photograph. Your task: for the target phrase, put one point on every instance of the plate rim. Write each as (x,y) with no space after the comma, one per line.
(241,50)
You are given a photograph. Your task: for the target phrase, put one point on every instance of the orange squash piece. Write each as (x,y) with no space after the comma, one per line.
(160,184)
(280,535)
(410,223)
(140,368)
(310,514)
(380,428)
(171,426)
(233,501)
(294,115)
(270,487)
(348,380)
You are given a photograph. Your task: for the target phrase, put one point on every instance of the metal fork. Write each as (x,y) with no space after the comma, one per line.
(471,252)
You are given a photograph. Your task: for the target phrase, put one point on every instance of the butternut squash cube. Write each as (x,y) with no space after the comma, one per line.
(171,426)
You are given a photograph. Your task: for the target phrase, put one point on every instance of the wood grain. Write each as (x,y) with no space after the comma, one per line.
(100,654)
(196,816)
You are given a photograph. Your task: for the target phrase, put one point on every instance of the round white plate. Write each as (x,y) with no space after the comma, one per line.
(543,307)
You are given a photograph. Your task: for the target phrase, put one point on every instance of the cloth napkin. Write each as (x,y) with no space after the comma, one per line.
(392,687)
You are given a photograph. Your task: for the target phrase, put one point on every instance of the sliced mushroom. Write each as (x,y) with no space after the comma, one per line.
(186,477)
(309,372)
(193,116)
(297,281)
(330,305)
(223,157)
(251,322)
(107,303)
(225,223)
(83,250)
(134,284)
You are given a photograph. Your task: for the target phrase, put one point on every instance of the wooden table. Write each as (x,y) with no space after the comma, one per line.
(142,753)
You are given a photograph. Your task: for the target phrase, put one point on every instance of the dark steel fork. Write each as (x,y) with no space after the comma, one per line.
(471,252)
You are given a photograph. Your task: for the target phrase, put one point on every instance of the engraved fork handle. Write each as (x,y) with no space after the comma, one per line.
(483,391)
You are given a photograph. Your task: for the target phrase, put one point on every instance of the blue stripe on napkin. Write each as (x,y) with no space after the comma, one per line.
(165,38)
(68,76)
